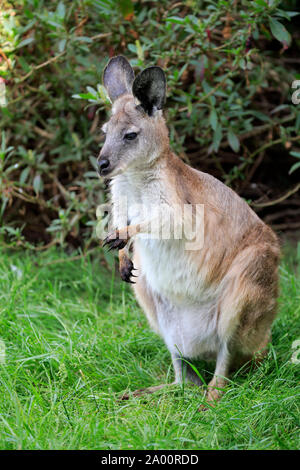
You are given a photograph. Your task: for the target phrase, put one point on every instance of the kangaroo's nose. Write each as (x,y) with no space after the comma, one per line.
(103,165)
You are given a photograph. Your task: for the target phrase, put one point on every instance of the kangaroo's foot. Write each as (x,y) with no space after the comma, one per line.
(215,390)
(144,391)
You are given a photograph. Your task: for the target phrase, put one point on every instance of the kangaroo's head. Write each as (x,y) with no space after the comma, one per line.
(136,133)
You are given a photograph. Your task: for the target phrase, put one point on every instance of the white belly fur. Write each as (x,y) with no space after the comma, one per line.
(186,310)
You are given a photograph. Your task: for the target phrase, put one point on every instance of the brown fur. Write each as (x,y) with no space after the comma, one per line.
(240,256)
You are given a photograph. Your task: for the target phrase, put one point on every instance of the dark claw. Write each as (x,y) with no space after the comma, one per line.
(126,271)
(114,243)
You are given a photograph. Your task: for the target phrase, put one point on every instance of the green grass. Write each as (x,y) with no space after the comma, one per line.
(75,339)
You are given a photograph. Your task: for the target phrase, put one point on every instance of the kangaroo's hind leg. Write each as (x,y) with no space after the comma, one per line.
(247,310)
(215,388)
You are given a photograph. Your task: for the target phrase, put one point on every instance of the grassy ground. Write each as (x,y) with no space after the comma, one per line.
(75,339)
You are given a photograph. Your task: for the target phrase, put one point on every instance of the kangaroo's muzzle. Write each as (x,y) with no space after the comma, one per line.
(103,166)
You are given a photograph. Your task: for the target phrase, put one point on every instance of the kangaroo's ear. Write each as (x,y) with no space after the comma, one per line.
(118,77)
(149,87)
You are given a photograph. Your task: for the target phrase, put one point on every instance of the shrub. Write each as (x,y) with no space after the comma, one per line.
(229,65)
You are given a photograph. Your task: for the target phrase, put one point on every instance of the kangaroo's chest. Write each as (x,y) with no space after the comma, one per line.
(185,305)
(171,270)
(133,202)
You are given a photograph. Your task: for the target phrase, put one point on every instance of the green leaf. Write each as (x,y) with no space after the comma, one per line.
(139,50)
(24,175)
(62,45)
(126,7)
(280,32)
(82,39)
(55,24)
(103,94)
(295,154)
(262,3)
(175,19)
(92,91)
(61,10)
(294,167)
(218,134)
(25,42)
(233,140)
(37,183)
(213,119)
(261,116)
(85,96)
(23,64)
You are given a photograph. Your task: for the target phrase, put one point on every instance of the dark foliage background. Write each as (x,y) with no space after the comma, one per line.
(230,67)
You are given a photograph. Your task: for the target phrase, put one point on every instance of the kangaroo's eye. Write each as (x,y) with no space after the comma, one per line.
(130,136)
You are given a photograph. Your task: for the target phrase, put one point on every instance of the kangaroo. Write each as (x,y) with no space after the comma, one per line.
(215,302)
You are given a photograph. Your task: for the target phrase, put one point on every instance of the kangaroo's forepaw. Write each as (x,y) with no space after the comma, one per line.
(114,242)
(126,269)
